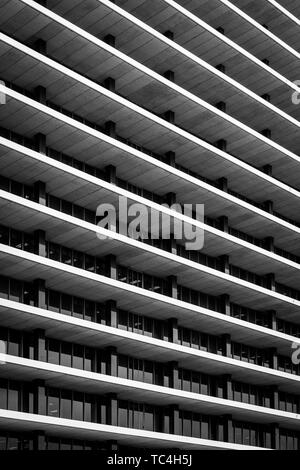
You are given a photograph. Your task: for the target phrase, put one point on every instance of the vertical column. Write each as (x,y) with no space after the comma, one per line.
(111,313)
(221,68)
(171,158)
(266,97)
(40,143)
(112,409)
(40,293)
(170,75)
(267,133)
(221,105)
(174,375)
(111,174)
(228,428)
(173,330)
(40,192)
(169,34)
(227,387)
(39,399)
(272,319)
(174,419)
(173,292)
(275,436)
(170,198)
(268,205)
(274,395)
(40,94)
(270,281)
(273,358)
(111,266)
(40,46)
(223,224)
(39,345)
(222,144)
(40,243)
(226,339)
(224,264)
(169,116)
(110,128)
(172,245)
(225,304)
(110,84)
(112,361)
(267,169)
(39,440)
(223,184)
(269,244)
(110,40)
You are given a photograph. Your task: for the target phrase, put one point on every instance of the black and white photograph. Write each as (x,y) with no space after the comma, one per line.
(149,231)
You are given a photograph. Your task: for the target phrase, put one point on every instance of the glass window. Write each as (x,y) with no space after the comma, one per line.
(3,394)
(66,405)
(66,256)
(66,355)
(88,405)
(54,251)
(16,239)
(14,398)
(122,416)
(78,307)
(78,355)
(77,406)
(54,301)
(12,443)
(78,259)
(3,287)
(89,313)
(53,403)
(53,351)
(123,367)
(66,304)
(14,344)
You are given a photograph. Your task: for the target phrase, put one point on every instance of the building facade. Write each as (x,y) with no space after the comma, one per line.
(111,343)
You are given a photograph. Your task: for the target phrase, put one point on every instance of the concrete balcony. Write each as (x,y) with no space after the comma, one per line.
(20,113)
(27,165)
(64,327)
(140,87)
(197,36)
(250,27)
(282,17)
(125,436)
(99,384)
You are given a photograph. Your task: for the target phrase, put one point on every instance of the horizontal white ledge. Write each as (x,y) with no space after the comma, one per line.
(121,286)
(141,111)
(127,384)
(81,32)
(156,252)
(228,41)
(64,168)
(96,431)
(265,31)
(126,148)
(284,11)
(220,317)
